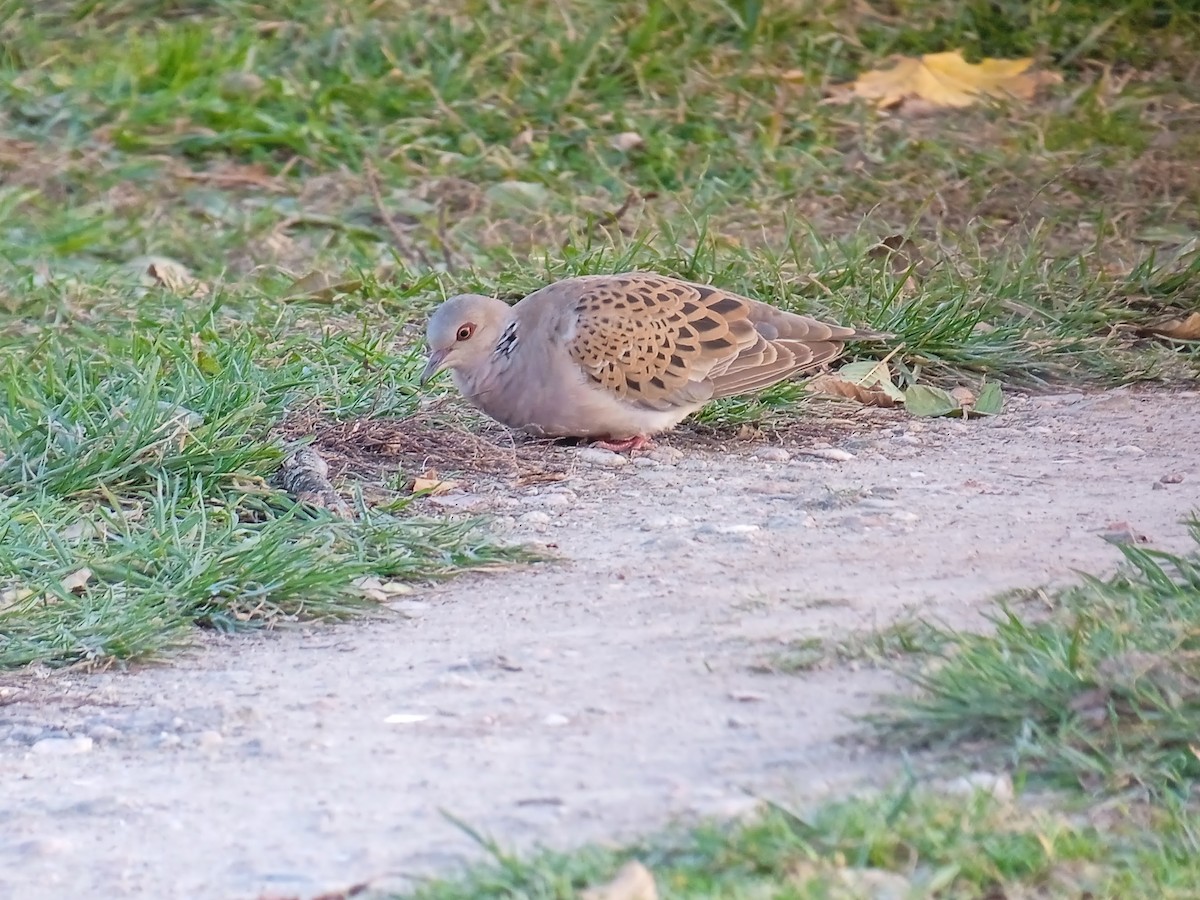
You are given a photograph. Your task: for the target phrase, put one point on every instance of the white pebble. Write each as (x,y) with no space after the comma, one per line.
(598,456)
(772,454)
(63,746)
(550,501)
(555,720)
(998,784)
(668,456)
(209,739)
(536,517)
(735,529)
(410,609)
(834,454)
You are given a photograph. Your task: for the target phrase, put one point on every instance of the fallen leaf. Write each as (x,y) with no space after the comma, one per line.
(10,597)
(964,395)
(633,881)
(320,286)
(873,374)
(899,252)
(1122,533)
(836,386)
(77,580)
(626,141)
(990,401)
(207,363)
(923,400)
(162,271)
(1178,329)
(867,382)
(948,80)
(429,483)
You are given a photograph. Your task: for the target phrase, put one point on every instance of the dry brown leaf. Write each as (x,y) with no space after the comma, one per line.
(77,580)
(626,141)
(1179,329)
(964,395)
(946,80)
(10,597)
(162,271)
(429,483)
(633,881)
(866,394)
(898,252)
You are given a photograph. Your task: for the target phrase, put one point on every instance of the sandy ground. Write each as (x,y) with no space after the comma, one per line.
(594,698)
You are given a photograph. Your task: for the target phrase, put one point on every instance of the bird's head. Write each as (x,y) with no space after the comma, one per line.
(463,332)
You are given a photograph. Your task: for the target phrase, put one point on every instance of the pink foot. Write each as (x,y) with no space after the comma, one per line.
(637,442)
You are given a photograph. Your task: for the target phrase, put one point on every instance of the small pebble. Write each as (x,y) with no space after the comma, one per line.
(410,609)
(536,517)
(598,456)
(998,784)
(25,734)
(662,523)
(877,503)
(555,720)
(63,746)
(103,732)
(209,739)
(461,502)
(735,529)
(833,454)
(46,846)
(772,454)
(1172,478)
(667,456)
(551,501)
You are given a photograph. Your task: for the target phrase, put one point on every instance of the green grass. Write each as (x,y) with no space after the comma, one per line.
(409,150)
(140,453)
(248,140)
(906,842)
(1099,687)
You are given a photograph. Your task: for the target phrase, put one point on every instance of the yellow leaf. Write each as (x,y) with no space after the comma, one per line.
(948,80)
(431,484)
(632,882)
(1179,329)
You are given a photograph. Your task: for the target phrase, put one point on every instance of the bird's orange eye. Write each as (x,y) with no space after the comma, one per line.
(465,331)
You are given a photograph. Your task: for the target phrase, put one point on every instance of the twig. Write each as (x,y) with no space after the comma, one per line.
(612,218)
(405,247)
(305,475)
(443,238)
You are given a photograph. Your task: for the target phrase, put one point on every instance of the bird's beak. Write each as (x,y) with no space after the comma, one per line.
(434,365)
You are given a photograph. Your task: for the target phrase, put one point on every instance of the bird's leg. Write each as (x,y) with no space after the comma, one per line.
(637,442)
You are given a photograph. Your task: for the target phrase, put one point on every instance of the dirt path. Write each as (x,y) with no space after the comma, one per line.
(596,698)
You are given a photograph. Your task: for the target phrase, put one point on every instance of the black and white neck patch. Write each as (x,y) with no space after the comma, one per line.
(508,341)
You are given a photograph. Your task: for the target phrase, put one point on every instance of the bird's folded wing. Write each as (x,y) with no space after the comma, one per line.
(661,343)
